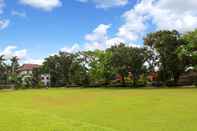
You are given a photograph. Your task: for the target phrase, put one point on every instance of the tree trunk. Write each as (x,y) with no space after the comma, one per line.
(134,82)
(176,78)
(123,80)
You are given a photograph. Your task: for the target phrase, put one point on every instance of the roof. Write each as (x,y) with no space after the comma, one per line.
(28,67)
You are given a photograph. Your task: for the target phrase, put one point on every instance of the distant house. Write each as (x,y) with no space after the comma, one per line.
(26,72)
(27,69)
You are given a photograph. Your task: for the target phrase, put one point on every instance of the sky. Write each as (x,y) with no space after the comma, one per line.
(35,29)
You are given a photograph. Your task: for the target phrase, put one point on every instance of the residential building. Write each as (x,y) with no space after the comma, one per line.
(27,69)
(26,72)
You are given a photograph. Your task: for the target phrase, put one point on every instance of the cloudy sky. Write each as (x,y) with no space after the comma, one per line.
(34,29)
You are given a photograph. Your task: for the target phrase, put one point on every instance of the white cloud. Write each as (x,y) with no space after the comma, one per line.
(133,27)
(11,51)
(33,61)
(20,53)
(117,41)
(163,14)
(46,5)
(18,13)
(4,24)
(2,5)
(178,6)
(135,45)
(182,16)
(98,34)
(106,3)
(114,41)
(146,14)
(176,14)
(94,46)
(73,49)
(97,39)
(135,19)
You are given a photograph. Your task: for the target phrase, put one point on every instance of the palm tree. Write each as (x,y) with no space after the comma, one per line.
(2,69)
(13,69)
(1,64)
(14,64)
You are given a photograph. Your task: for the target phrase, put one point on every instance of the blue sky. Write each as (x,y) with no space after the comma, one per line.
(34,29)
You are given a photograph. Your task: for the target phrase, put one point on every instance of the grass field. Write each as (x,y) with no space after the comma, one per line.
(99,110)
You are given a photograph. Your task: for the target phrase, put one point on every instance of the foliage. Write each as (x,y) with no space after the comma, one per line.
(188,51)
(166,54)
(36,77)
(3,71)
(65,69)
(129,59)
(98,64)
(14,66)
(165,43)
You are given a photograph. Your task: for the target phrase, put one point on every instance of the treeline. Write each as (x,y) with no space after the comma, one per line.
(8,71)
(166,53)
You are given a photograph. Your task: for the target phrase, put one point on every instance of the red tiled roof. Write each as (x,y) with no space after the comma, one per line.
(28,67)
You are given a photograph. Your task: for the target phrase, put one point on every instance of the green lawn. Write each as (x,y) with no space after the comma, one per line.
(99,110)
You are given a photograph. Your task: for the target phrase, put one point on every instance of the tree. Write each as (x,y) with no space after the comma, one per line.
(36,76)
(136,60)
(65,69)
(128,59)
(77,71)
(98,64)
(188,51)
(165,44)
(119,60)
(152,59)
(3,70)
(14,66)
(51,65)
(108,72)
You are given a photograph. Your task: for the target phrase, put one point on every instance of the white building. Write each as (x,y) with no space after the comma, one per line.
(45,78)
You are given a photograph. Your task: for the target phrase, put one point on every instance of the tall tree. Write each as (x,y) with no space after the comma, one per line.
(51,65)
(188,51)
(77,71)
(14,66)
(99,65)
(119,60)
(165,44)
(135,61)
(127,59)
(3,71)
(64,69)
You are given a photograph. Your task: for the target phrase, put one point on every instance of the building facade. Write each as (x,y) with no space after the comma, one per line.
(26,72)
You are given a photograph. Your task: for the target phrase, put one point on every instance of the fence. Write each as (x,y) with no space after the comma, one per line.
(7,86)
